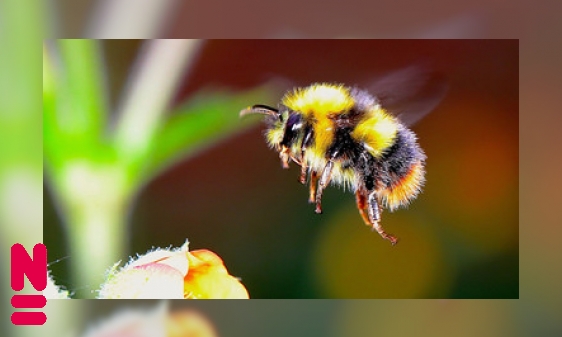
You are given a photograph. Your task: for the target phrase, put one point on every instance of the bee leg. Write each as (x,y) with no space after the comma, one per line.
(361,200)
(324,181)
(375,218)
(304,166)
(284,155)
(313,180)
(306,142)
(302,178)
(296,160)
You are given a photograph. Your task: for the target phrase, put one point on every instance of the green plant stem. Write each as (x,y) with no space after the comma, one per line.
(151,89)
(120,20)
(97,242)
(96,204)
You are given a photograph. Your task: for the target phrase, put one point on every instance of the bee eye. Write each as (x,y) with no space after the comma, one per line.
(294,124)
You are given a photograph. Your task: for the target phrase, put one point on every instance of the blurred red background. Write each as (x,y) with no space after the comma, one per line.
(459,239)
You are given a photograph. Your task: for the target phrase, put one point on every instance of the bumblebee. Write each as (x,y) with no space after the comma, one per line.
(343,135)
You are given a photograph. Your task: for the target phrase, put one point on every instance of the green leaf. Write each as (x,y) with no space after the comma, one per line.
(204,120)
(74,106)
(83,84)
(51,141)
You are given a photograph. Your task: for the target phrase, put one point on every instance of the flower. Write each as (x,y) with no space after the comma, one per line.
(153,322)
(189,323)
(173,274)
(129,322)
(53,291)
(208,278)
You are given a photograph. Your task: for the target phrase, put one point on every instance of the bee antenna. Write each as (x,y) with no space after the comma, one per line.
(260,109)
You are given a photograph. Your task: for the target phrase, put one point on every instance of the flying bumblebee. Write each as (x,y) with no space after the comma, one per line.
(344,135)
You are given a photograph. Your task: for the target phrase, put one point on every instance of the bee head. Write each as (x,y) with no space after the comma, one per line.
(283,126)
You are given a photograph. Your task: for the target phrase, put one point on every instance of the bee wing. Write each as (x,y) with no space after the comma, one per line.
(410,93)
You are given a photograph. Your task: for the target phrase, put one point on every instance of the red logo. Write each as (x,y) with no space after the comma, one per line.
(36,271)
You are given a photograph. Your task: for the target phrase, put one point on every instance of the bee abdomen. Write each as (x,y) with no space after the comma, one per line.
(404,172)
(403,153)
(397,176)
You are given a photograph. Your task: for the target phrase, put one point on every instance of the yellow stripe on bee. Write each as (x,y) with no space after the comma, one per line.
(319,100)
(376,131)
(323,135)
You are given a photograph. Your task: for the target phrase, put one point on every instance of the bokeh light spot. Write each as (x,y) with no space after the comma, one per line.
(353,262)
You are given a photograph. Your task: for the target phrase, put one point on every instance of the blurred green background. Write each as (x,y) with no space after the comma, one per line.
(459,239)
